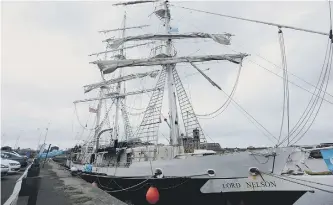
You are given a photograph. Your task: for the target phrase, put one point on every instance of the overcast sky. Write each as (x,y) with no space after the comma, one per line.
(45,64)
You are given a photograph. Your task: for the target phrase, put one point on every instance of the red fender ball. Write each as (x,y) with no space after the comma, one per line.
(152,195)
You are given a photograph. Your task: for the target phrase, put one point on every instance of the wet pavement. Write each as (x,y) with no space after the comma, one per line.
(58,187)
(50,191)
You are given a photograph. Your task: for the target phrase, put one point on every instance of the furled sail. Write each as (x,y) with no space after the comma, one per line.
(219,38)
(120,29)
(116,95)
(109,66)
(88,88)
(133,2)
(119,49)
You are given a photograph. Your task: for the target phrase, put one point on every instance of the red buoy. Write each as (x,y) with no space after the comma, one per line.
(152,195)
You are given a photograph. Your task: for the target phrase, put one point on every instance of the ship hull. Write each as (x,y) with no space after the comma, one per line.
(215,179)
(186,191)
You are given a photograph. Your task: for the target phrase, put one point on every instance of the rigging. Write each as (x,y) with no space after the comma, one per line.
(322,81)
(254,21)
(285,87)
(289,73)
(289,81)
(267,133)
(224,106)
(329,71)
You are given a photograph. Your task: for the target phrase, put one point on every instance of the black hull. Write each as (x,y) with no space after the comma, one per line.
(182,191)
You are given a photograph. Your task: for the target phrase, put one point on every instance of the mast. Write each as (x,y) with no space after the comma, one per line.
(149,126)
(116,123)
(174,131)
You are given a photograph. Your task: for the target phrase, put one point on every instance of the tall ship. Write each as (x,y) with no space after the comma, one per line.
(184,170)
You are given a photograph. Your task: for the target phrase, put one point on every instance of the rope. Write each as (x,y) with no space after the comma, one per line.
(253,154)
(127,187)
(175,186)
(277,25)
(108,120)
(105,117)
(283,178)
(253,21)
(313,94)
(289,73)
(97,126)
(89,135)
(286,94)
(330,12)
(329,71)
(285,87)
(133,108)
(136,185)
(78,119)
(252,119)
(328,185)
(230,97)
(315,100)
(134,114)
(291,82)
(227,102)
(308,112)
